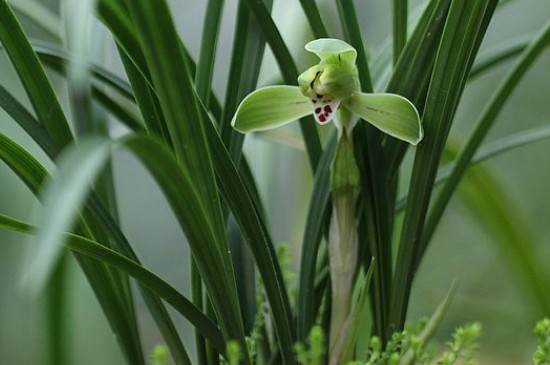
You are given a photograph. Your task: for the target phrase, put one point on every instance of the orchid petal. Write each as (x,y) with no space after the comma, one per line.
(332,50)
(324,109)
(391,113)
(270,107)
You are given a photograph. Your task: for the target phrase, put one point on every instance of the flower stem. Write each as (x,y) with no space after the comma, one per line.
(342,243)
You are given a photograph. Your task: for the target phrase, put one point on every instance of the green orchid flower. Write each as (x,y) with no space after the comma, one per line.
(329,88)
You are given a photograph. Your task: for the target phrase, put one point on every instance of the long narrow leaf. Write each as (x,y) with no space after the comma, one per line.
(465,26)
(33,77)
(483,126)
(164,290)
(290,75)
(172,83)
(255,232)
(318,213)
(104,284)
(399,26)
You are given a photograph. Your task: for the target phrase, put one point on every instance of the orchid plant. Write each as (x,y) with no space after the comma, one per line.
(331,91)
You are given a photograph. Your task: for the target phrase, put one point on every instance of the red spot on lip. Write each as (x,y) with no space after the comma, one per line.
(318,110)
(326,115)
(322,118)
(328,109)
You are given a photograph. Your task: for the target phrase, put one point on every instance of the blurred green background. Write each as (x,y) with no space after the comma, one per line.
(464,247)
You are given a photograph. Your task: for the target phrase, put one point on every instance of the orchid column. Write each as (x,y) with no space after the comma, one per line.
(330,91)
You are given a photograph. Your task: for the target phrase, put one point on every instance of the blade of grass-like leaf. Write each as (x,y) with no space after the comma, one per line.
(399,27)
(203,80)
(246,60)
(198,232)
(19,113)
(78,27)
(66,191)
(37,132)
(348,16)
(156,307)
(247,54)
(499,54)
(513,141)
(181,193)
(124,115)
(115,16)
(289,73)
(57,58)
(481,128)
(373,185)
(56,305)
(172,83)
(435,320)
(359,308)
(173,86)
(413,71)
(465,27)
(380,64)
(40,16)
(318,214)
(488,151)
(255,232)
(314,18)
(164,290)
(146,100)
(33,77)
(105,287)
(27,121)
(78,30)
(205,64)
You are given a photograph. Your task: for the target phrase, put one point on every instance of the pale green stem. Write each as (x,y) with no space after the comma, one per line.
(342,245)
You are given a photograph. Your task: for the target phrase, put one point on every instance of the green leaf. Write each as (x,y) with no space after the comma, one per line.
(391,113)
(145,277)
(205,64)
(271,107)
(482,127)
(432,325)
(359,308)
(290,74)
(254,229)
(104,283)
(318,214)
(464,29)
(499,54)
(40,16)
(65,193)
(314,18)
(399,26)
(34,79)
(246,61)
(25,119)
(171,81)
(413,71)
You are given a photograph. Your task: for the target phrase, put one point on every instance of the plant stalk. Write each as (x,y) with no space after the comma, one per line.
(343,244)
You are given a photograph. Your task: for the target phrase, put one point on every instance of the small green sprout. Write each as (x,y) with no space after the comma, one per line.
(160,355)
(542,332)
(325,89)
